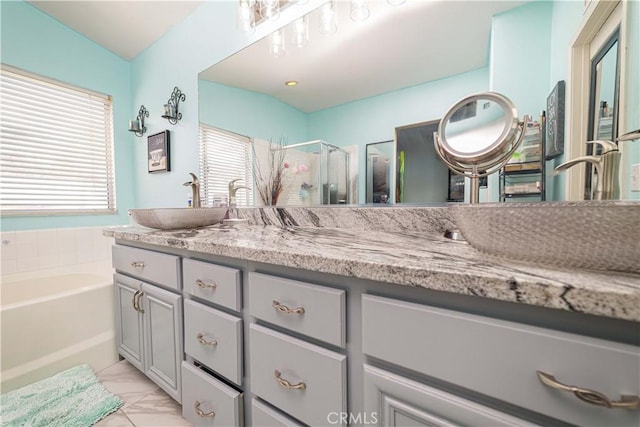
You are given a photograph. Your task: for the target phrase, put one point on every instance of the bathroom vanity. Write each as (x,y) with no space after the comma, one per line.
(282,322)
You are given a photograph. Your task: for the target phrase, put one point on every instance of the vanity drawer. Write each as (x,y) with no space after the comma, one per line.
(214,283)
(207,401)
(264,416)
(313,310)
(214,339)
(156,267)
(302,379)
(501,359)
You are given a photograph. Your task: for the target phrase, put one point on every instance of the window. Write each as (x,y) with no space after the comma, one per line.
(56,147)
(224,156)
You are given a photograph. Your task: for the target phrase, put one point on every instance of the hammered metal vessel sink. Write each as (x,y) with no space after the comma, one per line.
(176,218)
(597,235)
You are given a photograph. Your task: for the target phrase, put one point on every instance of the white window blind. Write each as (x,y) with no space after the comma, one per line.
(224,156)
(56,147)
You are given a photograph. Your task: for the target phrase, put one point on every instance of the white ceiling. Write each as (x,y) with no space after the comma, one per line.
(397,47)
(125,28)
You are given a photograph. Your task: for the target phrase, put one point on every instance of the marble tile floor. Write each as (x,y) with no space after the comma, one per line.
(145,404)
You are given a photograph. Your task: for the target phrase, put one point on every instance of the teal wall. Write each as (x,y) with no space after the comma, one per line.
(520,63)
(250,113)
(375,119)
(34,42)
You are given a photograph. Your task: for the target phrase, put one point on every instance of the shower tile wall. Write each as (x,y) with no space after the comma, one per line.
(24,251)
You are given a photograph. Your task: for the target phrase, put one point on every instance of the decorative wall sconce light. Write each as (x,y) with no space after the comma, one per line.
(171,112)
(137,126)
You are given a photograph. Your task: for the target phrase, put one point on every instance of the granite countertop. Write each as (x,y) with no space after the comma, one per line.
(405,256)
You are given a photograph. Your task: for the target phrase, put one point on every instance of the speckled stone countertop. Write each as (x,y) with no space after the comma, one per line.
(410,252)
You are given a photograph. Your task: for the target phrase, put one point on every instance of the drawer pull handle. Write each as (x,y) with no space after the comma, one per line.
(286,384)
(284,309)
(137,264)
(203,285)
(201,340)
(136,301)
(590,396)
(200,412)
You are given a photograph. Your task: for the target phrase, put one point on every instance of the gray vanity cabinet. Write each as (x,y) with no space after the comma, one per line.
(325,350)
(148,317)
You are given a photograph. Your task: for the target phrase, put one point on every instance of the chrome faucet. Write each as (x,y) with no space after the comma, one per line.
(195,190)
(233,188)
(607,166)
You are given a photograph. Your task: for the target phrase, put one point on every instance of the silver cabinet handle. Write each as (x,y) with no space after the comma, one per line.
(284,309)
(286,384)
(590,396)
(200,412)
(137,264)
(201,340)
(133,300)
(203,285)
(136,301)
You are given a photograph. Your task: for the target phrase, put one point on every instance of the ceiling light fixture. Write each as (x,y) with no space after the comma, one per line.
(291,83)
(360,10)
(254,12)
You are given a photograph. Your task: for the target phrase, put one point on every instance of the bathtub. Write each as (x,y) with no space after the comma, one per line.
(51,322)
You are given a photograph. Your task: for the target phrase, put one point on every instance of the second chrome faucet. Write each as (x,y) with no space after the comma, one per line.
(607,165)
(233,188)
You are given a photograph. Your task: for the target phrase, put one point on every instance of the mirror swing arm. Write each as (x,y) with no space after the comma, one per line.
(484,157)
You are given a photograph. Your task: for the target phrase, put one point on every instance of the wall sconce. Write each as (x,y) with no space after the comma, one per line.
(137,126)
(171,112)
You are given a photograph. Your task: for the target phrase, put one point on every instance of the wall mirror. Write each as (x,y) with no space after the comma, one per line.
(358,64)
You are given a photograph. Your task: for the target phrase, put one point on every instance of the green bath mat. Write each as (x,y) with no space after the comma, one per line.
(74,397)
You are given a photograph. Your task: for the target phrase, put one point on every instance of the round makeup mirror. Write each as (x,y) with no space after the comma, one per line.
(478,135)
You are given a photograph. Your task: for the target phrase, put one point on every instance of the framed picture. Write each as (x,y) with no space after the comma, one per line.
(158,159)
(554,127)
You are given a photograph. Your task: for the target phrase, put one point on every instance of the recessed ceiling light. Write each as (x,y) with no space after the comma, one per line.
(290,83)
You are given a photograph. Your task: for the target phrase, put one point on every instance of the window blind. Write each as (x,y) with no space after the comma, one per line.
(56,147)
(224,156)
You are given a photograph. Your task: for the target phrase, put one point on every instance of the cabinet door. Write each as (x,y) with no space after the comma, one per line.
(392,400)
(163,338)
(128,320)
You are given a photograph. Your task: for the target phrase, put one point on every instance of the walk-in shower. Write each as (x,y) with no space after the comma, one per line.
(317,174)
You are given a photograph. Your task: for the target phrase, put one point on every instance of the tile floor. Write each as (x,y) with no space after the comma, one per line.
(145,404)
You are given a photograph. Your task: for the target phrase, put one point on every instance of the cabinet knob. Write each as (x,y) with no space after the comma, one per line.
(200,412)
(201,340)
(203,285)
(137,264)
(590,396)
(286,383)
(284,309)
